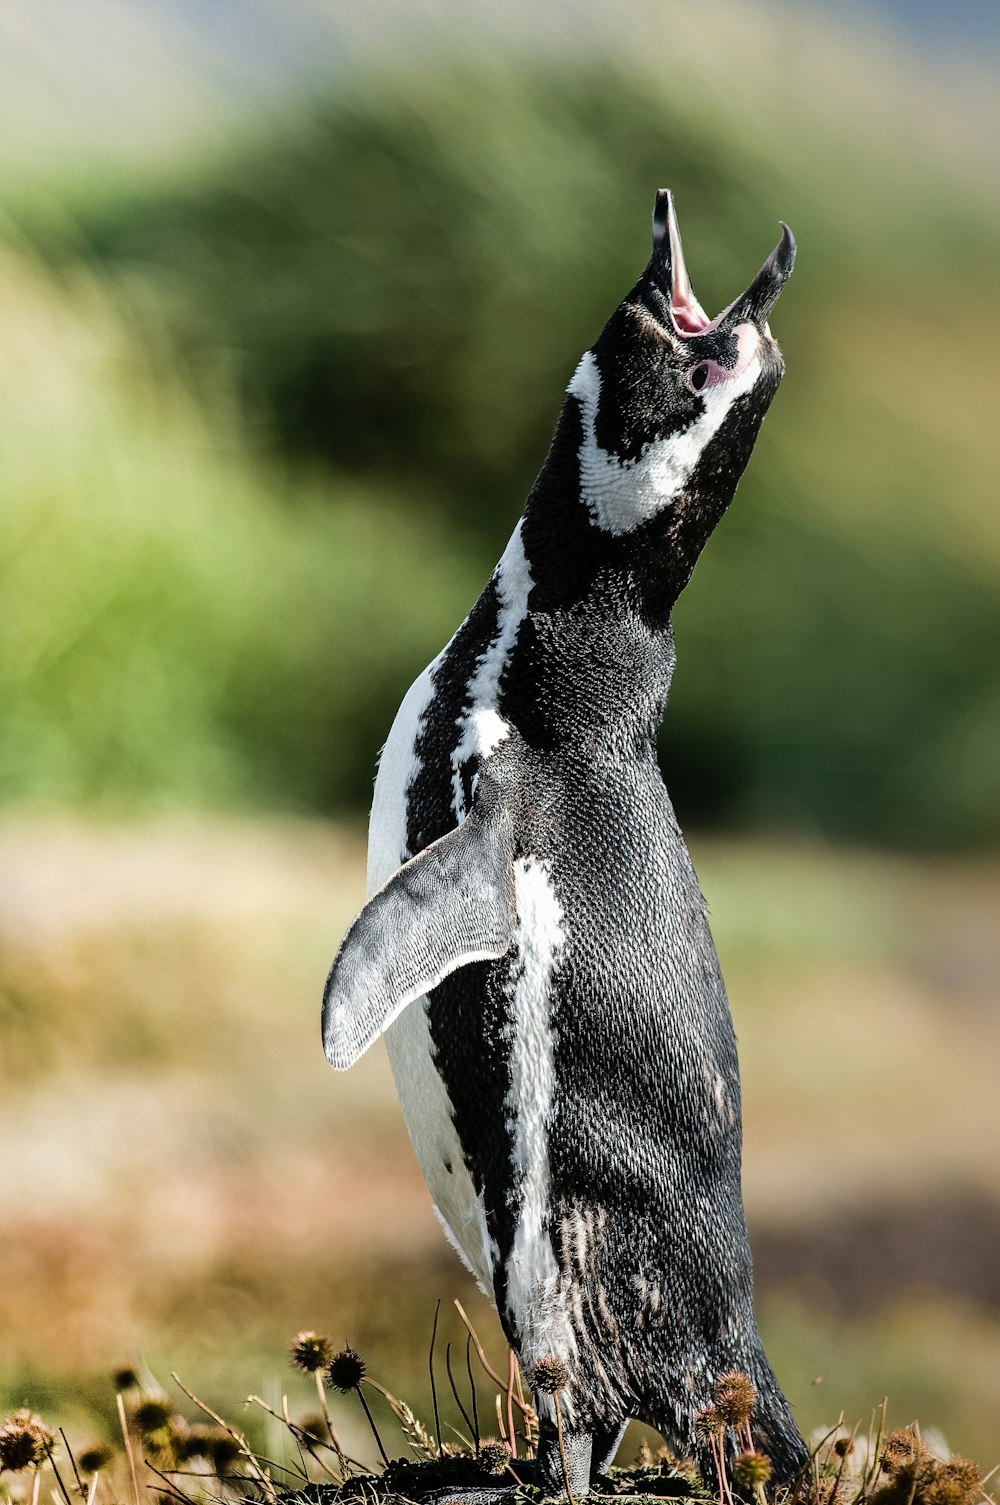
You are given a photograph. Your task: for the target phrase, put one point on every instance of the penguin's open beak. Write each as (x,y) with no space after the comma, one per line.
(687,316)
(756,303)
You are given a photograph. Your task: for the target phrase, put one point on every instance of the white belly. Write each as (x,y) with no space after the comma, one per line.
(426,1106)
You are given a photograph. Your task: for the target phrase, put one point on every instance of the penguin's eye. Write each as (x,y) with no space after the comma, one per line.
(698,376)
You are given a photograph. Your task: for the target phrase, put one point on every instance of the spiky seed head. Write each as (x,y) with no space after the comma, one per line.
(751,1469)
(345,1371)
(223,1450)
(735,1397)
(124,1378)
(549,1375)
(494,1455)
(955,1483)
(152,1411)
(25,1441)
(900,1447)
(965,1471)
(94,1457)
(175,1435)
(708,1424)
(312,1430)
(843,1446)
(310,1351)
(644,1456)
(195,1441)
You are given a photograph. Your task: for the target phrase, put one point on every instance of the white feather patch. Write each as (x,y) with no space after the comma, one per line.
(427,1108)
(398,767)
(483,728)
(623,494)
(534,1298)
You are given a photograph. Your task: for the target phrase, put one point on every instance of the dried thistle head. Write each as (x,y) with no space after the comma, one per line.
(94,1457)
(842,1446)
(196,1441)
(125,1378)
(310,1351)
(735,1397)
(152,1411)
(900,1447)
(25,1441)
(345,1371)
(644,1455)
(312,1430)
(707,1424)
(549,1375)
(958,1482)
(751,1469)
(494,1455)
(223,1450)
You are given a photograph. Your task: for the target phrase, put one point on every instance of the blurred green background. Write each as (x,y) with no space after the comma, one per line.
(288,298)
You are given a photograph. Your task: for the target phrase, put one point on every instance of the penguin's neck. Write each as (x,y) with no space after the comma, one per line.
(588,663)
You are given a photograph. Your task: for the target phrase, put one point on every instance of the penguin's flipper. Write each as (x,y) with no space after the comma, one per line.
(450,905)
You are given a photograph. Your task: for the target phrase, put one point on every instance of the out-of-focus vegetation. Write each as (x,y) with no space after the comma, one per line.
(261,462)
(173,625)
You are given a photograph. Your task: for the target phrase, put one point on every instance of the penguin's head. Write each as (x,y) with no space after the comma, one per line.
(670,401)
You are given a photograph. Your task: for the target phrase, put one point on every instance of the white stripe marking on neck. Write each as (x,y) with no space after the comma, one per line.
(483,728)
(623,494)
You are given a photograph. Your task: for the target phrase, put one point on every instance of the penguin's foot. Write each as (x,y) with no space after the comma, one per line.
(558,1470)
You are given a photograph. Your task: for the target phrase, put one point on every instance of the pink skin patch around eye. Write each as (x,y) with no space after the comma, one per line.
(711,374)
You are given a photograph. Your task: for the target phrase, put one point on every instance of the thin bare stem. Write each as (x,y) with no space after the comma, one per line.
(510,1402)
(487,1366)
(178,1494)
(36,1485)
(879,1436)
(371,1423)
(128,1447)
(294,1431)
(718,1469)
(430,1366)
(262,1478)
(335,1440)
(413,1429)
(458,1399)
(843,1461)
(62,1488)
(297,1432)
(722,1465)
(500,1425)
(472,1388)
(72,1461)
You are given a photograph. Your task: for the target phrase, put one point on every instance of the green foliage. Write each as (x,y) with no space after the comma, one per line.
(174,621)
(396,285)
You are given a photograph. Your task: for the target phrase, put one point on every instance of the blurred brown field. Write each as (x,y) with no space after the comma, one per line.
(186,1181)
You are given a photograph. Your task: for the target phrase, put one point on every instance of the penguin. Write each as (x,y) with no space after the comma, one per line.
(536,949)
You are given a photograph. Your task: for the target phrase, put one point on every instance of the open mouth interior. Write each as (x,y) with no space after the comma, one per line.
(686,312)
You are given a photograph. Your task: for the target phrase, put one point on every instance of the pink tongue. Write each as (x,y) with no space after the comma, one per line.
(688,320)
